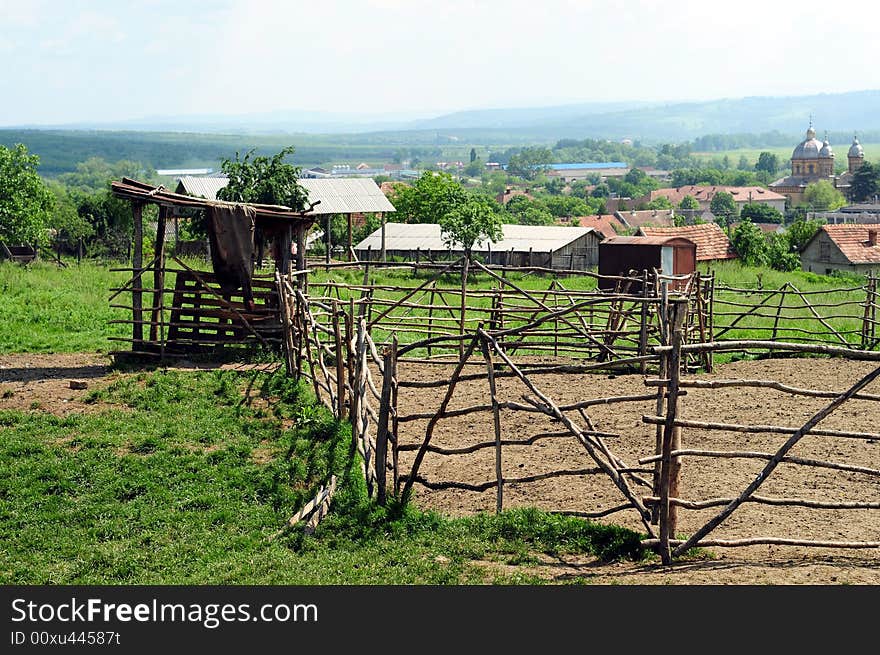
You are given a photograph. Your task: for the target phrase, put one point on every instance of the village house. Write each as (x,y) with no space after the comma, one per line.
(712,242)
(606,224)
(742,195)
(844,247)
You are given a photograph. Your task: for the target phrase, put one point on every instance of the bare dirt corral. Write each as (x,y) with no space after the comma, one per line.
(702,478)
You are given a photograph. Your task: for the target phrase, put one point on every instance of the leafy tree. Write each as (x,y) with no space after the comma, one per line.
(429,199)
(601,191)
(660,202)
(95,174)
(801,231)
(689,202)
(743,164)
(723,206)
(25,202)
(780,255)
(822,195)
(473,155)
(474,168)
(767,162)
(530,162)
(471,221)
(749,243)
(263,180)
(65,218)
(866,182)
(567,206)
(525,211)
(759,212)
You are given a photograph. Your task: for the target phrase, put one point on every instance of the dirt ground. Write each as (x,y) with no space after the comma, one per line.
(42,382)
(702,478)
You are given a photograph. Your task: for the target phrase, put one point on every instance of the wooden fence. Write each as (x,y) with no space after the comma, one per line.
(330,341)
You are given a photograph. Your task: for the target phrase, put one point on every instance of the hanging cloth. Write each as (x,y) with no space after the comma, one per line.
(231,234)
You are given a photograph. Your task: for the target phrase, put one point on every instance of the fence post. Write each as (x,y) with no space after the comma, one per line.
(394,450)
(381,454)
(643,321)
(340,363)
(670,467)
(496,416)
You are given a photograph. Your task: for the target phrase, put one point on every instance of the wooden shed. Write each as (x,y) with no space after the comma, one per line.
(669,255)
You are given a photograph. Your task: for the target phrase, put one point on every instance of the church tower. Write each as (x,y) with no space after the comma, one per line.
(855,156)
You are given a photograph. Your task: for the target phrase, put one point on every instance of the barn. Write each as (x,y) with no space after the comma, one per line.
(669,255)
(551,246)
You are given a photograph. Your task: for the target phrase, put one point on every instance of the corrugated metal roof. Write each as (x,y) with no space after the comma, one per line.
(589,166)
(519,238)
(201,187)
(347,195)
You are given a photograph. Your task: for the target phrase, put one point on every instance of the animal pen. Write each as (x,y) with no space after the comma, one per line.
(183,311)
(450,379)
(484,394)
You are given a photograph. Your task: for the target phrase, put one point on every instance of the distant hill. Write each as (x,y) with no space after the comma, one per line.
(649,122)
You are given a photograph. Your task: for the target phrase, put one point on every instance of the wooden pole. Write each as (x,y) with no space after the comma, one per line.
(643,321)
(462,319)
(496,416)
(159,273)
(348,218)
(340,363)
(384,251)
(137,260)
(328,240)
(395,444)
(670,467)
(382,424)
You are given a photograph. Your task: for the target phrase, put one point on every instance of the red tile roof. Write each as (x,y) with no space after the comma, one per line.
(641,217)
(852,239)
(509,194)
(605,224)
(704,194)
(766,228)
(712,242)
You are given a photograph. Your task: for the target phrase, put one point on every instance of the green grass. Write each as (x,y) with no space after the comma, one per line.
(179,479)
(44,308)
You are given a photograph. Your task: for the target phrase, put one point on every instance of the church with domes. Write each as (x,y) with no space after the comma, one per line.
(813,160)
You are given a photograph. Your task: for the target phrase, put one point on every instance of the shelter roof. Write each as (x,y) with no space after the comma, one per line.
(346,195)
(519,238)
(712,242)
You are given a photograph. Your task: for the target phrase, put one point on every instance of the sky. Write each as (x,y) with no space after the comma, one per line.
(67,61)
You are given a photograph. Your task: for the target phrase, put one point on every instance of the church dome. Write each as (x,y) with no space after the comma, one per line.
(855,150)
(826,151)
(809,148)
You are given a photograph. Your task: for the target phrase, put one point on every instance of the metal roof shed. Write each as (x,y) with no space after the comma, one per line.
(669,255)
(521,245)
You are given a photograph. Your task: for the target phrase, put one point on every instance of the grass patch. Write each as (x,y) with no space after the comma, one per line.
(163,487)
(44,308)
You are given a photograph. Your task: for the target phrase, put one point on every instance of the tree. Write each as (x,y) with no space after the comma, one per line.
(473,155)
(660,202)
(823,196)
(525,211)
(689,202)
(530,162)
(723,206)
(749,243)
(567,206)
(780,255)
(25,202)
(743,164)
(758,212)
(767,162)
(470,222)
(65,219)
(801,231)
(865,182)
(263,180)
(429,199)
